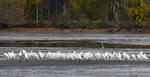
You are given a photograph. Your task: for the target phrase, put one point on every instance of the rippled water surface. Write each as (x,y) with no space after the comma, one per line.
(70,42)
(77,71)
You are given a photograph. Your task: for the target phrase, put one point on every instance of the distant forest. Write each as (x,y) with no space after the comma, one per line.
(74,13)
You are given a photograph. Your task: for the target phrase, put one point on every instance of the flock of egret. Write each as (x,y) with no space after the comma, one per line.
(24,55)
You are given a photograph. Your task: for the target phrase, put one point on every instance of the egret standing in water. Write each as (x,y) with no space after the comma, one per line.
(102,45)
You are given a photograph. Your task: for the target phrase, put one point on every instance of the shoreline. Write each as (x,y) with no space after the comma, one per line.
(76,30)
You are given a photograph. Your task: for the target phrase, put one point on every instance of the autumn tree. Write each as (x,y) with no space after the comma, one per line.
(139,11)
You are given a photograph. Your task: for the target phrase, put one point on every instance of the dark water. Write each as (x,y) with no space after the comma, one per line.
(69,42)
(77,71)
(66,43)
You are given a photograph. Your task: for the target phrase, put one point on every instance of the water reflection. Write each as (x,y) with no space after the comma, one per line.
(77,71)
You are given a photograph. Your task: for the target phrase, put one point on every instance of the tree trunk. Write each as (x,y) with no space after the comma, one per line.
(37,13)
(65,7)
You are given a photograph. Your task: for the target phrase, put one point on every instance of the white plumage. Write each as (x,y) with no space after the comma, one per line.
(24,55)
(42,55)
(133,57)
(126,56)
(88,56)
(142,56)
(98,56)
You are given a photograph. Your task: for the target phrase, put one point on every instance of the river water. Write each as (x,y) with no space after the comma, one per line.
(70,42)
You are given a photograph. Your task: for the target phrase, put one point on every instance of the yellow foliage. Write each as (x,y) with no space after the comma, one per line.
(139,9)
(75,3)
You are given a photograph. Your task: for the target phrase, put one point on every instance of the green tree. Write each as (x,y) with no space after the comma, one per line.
(32,10)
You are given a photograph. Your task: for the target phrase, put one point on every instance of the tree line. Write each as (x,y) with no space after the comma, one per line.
(74,13)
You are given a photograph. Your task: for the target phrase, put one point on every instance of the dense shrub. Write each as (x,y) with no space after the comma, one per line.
(75,24)
(101,24)
(128,24)
(96,23)
(84,21)
(46,23)
(64,21)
